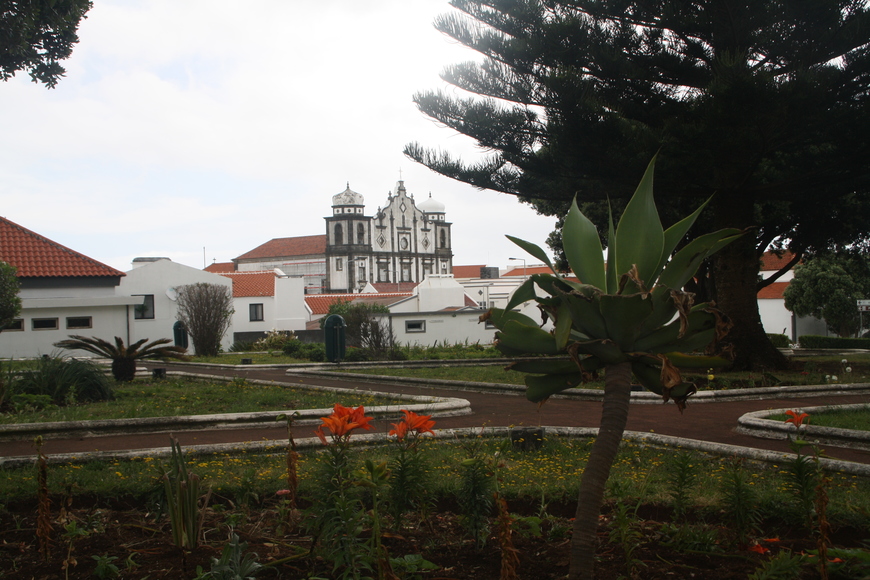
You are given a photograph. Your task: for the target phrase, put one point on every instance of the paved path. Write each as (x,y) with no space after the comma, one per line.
(713,422)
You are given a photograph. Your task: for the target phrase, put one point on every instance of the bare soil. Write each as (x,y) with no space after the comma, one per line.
(143,546)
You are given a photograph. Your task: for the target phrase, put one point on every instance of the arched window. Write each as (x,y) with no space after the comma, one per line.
(360,234)
(443,238)
(339,235)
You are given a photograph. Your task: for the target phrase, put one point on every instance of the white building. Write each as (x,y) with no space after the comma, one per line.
(153,282)
(62,293)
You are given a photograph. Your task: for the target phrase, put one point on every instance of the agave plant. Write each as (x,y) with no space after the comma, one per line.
(124,357)
(628,315)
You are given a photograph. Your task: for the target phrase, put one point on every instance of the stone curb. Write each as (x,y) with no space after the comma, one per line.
(650,439)
(637,397)
(435,406)
(756,424)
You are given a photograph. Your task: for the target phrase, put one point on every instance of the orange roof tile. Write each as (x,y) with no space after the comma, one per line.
(256,283)
(288,248)
(527,271)
(770,261)
(467,271)
(773,290)
(320,303)
(38,257)
(220,267)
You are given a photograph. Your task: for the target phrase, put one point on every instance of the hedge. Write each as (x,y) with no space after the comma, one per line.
(779,340)
(815,341)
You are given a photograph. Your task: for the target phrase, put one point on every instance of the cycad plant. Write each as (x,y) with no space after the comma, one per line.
(626,315)
(124,357)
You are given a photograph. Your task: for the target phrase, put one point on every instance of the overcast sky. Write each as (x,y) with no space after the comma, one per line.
(200,129)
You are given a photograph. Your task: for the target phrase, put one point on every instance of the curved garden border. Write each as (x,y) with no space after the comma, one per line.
(757,424)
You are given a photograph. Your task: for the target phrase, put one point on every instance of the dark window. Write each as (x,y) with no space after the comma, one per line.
(339,264)
(144,311)
(79,322)
(44,324)
(339,235)
(360,234)
(256,312)
(15,325)
(443,239)
(415,326)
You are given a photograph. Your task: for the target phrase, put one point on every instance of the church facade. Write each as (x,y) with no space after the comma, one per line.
(402,242)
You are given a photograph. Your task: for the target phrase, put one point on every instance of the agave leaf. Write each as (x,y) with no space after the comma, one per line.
(611,273)
(526,338)
(665,338)
(541,387)
(639,235)
(649,376)
(562,330)
(523,293)
(688,361)
(673,235)
(500,317)
(685,263)
(586,315)
(534,250)
(583,248)
(605,350)
(624,317)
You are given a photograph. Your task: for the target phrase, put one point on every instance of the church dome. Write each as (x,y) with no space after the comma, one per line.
(431,206)
(348,197)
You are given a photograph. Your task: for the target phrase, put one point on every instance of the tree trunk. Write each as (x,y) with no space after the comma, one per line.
(124,369)
(735,273)
(614,415)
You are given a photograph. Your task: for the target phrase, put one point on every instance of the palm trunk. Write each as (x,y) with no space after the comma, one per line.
(614,415)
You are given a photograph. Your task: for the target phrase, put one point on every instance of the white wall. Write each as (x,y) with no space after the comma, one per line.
(159,279)
(441,327)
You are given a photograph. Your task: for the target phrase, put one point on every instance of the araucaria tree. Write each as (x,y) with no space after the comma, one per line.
(36,34)
(206,311)
(764,103)
(10,302)
(628,317)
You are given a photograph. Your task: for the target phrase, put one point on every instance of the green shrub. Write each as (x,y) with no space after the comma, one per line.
(357,354)
(65,381)
(779,340)
(275,340)
(292,347)
(315,352)
(242,346)
(814,341)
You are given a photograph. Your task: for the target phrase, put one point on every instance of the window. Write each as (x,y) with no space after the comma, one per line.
(415,326)
(144,311)
(79,322)
(44,324)
(360,234)
(443,237)
(16,325)
(256,312)
(339,265)
(339,235)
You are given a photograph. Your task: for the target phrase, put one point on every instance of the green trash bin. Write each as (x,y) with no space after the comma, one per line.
(334,337)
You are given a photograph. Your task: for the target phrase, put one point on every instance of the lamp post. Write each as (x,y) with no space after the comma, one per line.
(523,260)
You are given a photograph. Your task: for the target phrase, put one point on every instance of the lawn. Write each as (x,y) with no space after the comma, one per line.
(858,419)
(187,396)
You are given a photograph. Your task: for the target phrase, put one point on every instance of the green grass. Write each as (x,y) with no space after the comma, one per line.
(549,475)
(476,374)
(858,419)
(186,396)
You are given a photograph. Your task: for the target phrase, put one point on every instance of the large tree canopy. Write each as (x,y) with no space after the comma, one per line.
(36,34)
(10,301)
(762,103)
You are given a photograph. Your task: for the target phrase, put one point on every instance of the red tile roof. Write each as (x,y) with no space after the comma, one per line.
(770,261)
(467,271)
(382,287)
(320,303)
(220,267)
(528,271)
(38,257)
(255,283)
(288,248)
(773,290)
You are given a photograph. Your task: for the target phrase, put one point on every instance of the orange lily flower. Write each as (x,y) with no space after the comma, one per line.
(796,419)
(758,548)
(342,422)
(412,422)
